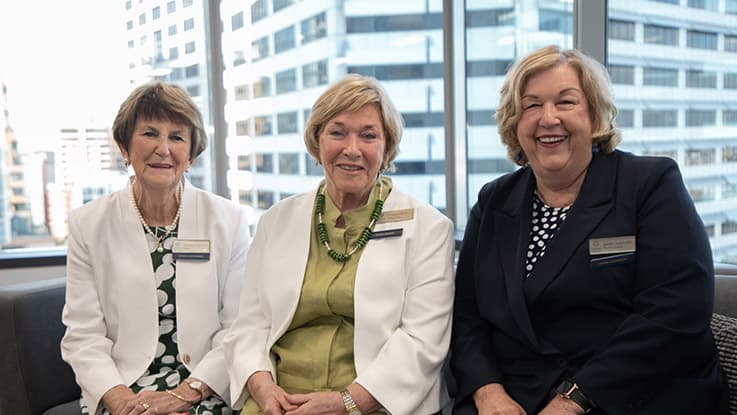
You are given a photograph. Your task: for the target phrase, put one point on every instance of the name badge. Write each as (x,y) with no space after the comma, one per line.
(614,245)
(396,215)
(389,233)
(191,249)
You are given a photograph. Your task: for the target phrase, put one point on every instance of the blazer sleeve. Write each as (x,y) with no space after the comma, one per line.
(85,345)
(245,344)
(211,368)
(471,362)
(672,300)
(409,363)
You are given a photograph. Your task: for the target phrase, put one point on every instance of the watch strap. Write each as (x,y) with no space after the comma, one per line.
(196,386)
(350,406)
(570,390)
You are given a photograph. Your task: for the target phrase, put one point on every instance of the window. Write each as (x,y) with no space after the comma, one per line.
(289,163)
(156,13)
(245,197)
(676,2)
(730,43)
(241,93)
(260,48)
(129,24)
(314,74)
(661,35)
(729,154)
(626,118)
(730,6)
(187,3)
(262,125)
(286,122)
(729,117)
(128,5)
(188,24)
(483,68)
(244,162)
(400,72)
(622,74)
(701,79)
(394,23)
(173,53)
(259,10)
(314,28)
(265,199)
(282,4)
(242,128)
(171,7)
(284,39)
(239,58)
(193,91)
(700,118)
(701,156)
(172,30)
(189,48)
(729,226)
(489,18)
(730,80)
(555,21)
(704,4)
(311,167)
(621,30)
(701,40)
(192,71)
(659,76)
(262,87)
(264,163)
(142,19)
(659,118)
(236,21)
(286,81)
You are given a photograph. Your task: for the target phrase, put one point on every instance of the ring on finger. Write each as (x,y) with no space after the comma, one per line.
(145,406)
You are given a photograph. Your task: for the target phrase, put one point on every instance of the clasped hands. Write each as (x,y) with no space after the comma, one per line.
(273,400)
(492,399)
(121,400)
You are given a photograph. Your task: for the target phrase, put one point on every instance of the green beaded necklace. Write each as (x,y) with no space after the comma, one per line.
(322,232)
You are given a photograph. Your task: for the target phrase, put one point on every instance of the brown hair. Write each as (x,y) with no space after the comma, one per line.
(160,101)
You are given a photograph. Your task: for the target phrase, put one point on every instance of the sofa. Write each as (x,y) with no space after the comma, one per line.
(35,381)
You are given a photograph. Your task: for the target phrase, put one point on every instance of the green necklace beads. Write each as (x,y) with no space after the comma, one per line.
(322,232)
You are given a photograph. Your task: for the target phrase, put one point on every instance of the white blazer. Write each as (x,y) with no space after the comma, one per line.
(111,309)
(403,303)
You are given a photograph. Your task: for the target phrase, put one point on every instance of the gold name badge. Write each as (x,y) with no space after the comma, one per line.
(396,215)
(191,249)
(614,245)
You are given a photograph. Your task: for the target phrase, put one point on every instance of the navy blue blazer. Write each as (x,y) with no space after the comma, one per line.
(630,328)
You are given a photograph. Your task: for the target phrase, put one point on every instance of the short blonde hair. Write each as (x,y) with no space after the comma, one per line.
(594,84)
(160,101)
(350,94)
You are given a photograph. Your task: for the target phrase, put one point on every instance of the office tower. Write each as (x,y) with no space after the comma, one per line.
(5,212)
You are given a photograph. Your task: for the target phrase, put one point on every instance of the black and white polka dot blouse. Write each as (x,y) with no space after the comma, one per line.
(546,221)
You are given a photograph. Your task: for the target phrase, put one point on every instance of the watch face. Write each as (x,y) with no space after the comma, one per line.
(195,384)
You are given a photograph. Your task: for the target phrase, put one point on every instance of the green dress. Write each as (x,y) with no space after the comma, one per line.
(316,352)
(167,371)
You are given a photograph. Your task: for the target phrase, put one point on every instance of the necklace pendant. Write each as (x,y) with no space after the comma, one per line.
(160,248)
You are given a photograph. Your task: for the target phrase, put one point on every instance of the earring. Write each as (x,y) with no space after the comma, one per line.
(595,149)
(519,156)
(126,162)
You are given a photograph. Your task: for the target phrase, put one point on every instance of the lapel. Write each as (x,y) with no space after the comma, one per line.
(513,224)
(593,203)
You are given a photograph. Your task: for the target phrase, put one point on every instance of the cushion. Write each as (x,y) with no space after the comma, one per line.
(725,335)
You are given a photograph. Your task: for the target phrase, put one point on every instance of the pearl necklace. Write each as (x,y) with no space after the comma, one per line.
(322,232)
(169,228)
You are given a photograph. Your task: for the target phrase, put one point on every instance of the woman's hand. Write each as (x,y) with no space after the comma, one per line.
(492,399)
(268,395)
(317,403)
(562,406)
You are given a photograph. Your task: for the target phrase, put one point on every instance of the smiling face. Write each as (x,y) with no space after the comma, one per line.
(555,128)
(159,151)
(351,151)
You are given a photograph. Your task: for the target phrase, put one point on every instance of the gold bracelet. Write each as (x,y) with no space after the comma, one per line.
(180,397)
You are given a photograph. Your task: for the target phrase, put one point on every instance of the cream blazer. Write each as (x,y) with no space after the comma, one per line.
(111,305)
(403,302)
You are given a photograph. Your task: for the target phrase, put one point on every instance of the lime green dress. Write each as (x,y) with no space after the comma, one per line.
(167,370)
(316,352)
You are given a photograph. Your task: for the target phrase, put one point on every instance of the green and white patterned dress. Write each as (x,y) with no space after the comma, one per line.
(167,370)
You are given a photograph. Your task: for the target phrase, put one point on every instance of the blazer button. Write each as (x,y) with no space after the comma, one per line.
(186,358)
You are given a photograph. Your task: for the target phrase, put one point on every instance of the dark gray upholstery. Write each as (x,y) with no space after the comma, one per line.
(725,295)
(34,380)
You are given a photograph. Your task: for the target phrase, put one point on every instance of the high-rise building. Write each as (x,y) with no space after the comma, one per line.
(5,212)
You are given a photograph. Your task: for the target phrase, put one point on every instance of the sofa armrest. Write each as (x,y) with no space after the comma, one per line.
(34,377)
